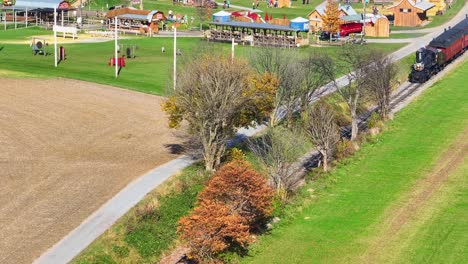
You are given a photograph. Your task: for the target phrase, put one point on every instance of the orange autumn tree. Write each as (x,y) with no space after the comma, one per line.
(239,186)
(212,228)
(331,19)
(236,201)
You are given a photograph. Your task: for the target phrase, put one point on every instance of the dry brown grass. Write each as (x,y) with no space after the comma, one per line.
(66,148)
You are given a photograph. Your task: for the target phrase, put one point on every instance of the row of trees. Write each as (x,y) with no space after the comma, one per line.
(217,95)
(284,89)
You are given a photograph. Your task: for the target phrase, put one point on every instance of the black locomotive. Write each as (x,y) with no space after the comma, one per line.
(440,51)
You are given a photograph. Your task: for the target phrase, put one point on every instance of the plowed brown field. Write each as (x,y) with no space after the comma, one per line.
(66,147)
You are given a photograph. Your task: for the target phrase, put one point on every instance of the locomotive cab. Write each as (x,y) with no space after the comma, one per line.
(425,65)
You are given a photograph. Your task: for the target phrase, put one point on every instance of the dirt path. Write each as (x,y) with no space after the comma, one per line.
(66,148)
(397,217)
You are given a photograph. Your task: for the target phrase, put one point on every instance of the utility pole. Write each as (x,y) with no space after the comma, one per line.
(55,36)
(80,15)
(232,51)
(364,20)
(175,57)
(116,49)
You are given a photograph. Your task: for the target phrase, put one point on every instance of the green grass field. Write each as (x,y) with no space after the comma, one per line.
(150,72)
(334,223)
(443,238)
(400,36)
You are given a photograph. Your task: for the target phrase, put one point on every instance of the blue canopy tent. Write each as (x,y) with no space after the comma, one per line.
(222,16)
(300,23)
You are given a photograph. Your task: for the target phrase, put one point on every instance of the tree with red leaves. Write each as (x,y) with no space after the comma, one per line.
(212,228)
(236,201)
(243,189)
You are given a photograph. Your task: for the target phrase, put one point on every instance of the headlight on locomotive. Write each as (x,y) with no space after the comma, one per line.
(418,66)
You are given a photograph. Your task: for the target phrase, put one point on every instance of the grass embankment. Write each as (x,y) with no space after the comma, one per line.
(400,36)
(339,213)
(150,72)
(148,229)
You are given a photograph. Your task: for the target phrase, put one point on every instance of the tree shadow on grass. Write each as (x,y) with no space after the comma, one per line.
(175,148)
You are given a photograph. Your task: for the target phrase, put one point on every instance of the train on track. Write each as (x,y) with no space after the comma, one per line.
(441,51)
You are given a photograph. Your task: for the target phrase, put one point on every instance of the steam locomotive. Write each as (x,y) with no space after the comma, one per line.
(440,52)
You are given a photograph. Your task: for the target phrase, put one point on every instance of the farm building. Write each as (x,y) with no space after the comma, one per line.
(378,27)
(315,17)
(43,4)
(131,19)
(39,11)
(409,13)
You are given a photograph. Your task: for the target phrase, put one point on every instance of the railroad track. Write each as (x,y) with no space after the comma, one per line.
(402,94)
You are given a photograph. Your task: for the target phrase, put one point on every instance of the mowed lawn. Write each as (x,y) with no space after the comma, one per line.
(440,235)
(150,72)
(344,210)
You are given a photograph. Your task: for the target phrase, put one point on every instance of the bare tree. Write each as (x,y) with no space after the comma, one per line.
(379,82)
(281,64)
(299,78)
(314,68)
(357,62)
(321,127)
(210,96)
(278,151)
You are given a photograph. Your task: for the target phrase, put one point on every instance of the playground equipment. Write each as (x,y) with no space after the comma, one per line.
(62,54)
(120,62)
(129,50)
(38,46)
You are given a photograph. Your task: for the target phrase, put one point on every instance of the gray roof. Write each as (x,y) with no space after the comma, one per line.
(37,3)
(351,18)
(148,17)
(449,36)
(254,25)
(423,5)
(349,10)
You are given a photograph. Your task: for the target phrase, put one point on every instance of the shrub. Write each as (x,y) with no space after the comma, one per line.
(212,228)
(242,189)
(374,120)
(236,154)
(235,201)
(344,148)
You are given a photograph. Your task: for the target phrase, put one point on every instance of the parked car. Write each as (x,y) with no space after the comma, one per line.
(325,35)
